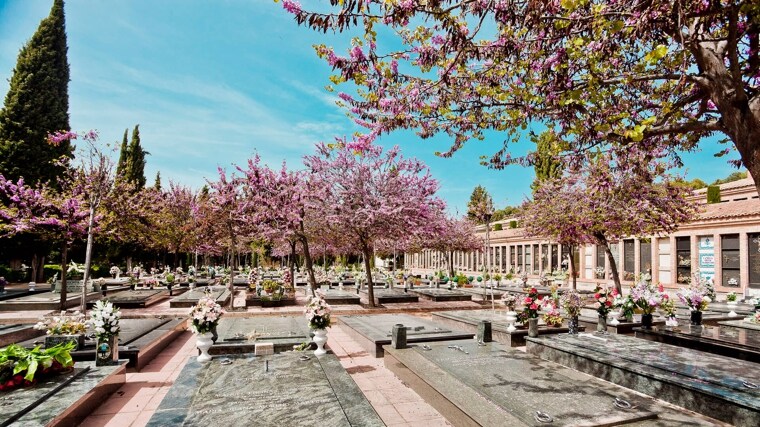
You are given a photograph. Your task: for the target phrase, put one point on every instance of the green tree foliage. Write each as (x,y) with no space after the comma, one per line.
(121,165)
(731,178)
(157,183)
(37,104)
(480,207)
(506,212)
(135,161)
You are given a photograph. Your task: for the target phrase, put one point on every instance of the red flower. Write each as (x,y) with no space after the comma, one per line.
(533,290)
(528,300)
(533,307)
(608,303)
(597,295)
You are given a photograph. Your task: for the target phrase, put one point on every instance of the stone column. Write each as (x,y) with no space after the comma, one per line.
(694,245)
(717,252)
(655,258)
(673,261)
(743,261)
(636,256)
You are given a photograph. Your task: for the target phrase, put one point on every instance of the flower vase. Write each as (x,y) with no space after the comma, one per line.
(533,327)
(320,338)
(204,342)
(646,321)
(511,319)
(572,325)
(696,317)
(601,325)
(614,315)
(671,322)
(107,350)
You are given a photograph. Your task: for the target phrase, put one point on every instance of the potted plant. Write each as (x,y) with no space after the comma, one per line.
(63,328)
(317,311)
(204,317)
(104,320)
(668,308)
(731,299)
(552,317)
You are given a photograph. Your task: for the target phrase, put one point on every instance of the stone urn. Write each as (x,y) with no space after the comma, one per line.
(601,324)
(204,342)
(107,350)
(533,327)
(320,338)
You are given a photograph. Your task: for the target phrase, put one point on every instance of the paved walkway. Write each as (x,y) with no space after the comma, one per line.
(136,401)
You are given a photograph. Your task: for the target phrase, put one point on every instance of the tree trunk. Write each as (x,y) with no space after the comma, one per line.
(233,245)
(87,260)
(368,267)
(292,265)
(64,261)
(450,264)
(603,241)
(33,277)
(129,265)
(572,265)
(487,267)
(309,264)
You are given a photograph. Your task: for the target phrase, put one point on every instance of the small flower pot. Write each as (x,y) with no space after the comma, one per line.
(533,327)
(107,350)
(54,340)
(696,318)
(601,324)
(646,321)
(572,325)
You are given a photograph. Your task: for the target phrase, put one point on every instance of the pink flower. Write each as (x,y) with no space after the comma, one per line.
(291,6)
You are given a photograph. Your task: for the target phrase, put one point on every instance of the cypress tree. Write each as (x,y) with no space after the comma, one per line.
(480,207)
(37,104)
(157,184)
(135,164)
(121,166)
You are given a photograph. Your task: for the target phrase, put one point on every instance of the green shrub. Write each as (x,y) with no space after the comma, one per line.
(497,227)
(513,224)
(713,194)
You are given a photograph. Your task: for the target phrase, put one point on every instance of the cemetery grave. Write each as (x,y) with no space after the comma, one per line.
(433,294)
(713,385)
(724,340)
(241,335)
(489,384)
(62,400)
(191,297)
(288,389)
(140,340)
(468,320)
(373,332)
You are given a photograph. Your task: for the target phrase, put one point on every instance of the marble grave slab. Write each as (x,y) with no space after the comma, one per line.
(191,297)
(433,294)
(468,320)
(373,332)
(390,296)
(727,341)
(494,385)
(274,390)
(240,335)
(717,386)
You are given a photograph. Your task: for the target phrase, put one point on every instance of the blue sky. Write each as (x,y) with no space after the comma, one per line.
(213,82)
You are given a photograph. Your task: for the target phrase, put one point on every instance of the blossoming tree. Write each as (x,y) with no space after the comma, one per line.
(373,195)
(284,204)
(453,235)
(606,200)
(651,75)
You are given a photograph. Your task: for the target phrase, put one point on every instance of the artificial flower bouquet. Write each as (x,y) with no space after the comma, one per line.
(531,304)
(572,302)
(647,296)
(509,300)
(318,311)
(63,324)
(104,319)
(205,315)
(604,297)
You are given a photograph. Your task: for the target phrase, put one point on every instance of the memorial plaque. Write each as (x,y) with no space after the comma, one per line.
(491,385)
(240,335)
(280,389)
(373,332)
(714,385)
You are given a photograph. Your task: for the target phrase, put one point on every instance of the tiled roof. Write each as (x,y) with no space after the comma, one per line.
(746,182)
(733,209)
